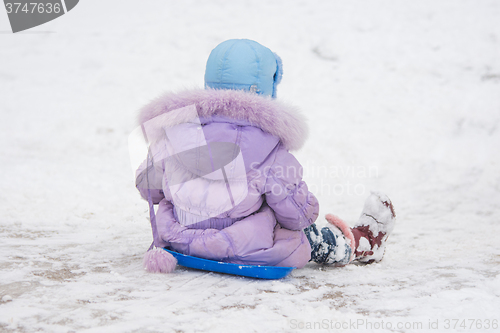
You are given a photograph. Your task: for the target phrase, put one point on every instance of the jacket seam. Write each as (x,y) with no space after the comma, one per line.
(272,165)
(231,244)
(237,144)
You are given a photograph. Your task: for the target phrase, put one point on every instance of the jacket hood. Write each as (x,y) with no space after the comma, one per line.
(270,115)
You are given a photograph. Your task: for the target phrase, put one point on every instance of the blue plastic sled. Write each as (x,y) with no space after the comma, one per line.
(260,272)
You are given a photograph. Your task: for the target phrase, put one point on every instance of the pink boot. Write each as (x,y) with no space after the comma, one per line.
(373,228)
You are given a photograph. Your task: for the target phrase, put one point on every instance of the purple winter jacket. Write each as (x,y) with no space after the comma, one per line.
(226,185)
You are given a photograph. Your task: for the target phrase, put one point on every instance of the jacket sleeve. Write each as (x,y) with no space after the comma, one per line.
(287,194)
(149,176)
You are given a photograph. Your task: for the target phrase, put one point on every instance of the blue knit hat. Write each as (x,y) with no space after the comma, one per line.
(244,65)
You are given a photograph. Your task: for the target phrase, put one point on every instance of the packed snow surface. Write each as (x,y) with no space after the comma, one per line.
(402,97)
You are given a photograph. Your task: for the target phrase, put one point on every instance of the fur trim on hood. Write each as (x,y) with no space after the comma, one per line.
(273,117)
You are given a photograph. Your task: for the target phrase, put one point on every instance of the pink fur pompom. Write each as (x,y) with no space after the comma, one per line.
(159,261)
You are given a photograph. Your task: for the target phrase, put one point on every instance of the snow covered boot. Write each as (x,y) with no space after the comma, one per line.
(373,228)
(333,245)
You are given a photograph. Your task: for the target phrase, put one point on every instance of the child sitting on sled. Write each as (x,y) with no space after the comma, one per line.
(226,185)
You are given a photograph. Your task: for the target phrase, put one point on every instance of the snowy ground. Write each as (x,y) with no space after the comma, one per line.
(401,96)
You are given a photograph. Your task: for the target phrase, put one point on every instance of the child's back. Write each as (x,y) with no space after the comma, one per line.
(227,187)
